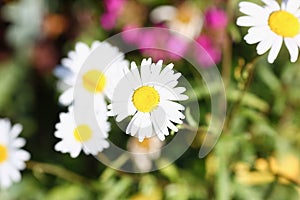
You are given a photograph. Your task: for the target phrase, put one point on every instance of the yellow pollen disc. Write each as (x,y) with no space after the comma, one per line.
(284,23)
(145,144)
(82,133)
(145,99)
(3,153)
(184,16)
(94,81)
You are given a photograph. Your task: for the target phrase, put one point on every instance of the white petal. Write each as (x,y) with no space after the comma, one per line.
(250,8)
(16,130)
(15,175)
(249,21)
(159,121)
(297,40)
(256,34)
(292,47)
(163,13)
(81,48)
(275,49)
(19,142)
(265,44)
(172,110)
(291,5)
(156,69)
(172,126)
(272,4)
(75,152)
(67,97)
(5,180)
(131,129)
(297,13)
(146,73)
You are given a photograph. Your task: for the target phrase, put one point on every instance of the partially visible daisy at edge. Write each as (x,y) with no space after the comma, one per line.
(143,153)
(149,96)
(272,24)
(186,19)
(100,80)
(12,157)
(82,136)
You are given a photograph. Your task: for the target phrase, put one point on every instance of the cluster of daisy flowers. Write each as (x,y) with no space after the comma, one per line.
(147,94)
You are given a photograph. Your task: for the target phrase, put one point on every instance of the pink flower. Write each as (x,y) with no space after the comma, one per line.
(113,5)
(210,54)
(130,34)
(178,47)
(112,11)
(158,43)
(216,18)
(108,21)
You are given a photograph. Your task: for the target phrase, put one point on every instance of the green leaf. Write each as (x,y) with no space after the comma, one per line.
(248,99)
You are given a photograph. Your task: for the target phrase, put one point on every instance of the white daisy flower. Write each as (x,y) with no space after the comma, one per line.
(145,152)
(12,158)
(100,79)
(272,24)
(82,135)
(149,97)
(186,18)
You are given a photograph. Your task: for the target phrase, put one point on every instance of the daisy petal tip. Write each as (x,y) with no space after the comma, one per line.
(293,60)
(271,60)
(186,97)
(171,66)
(238,22)
(74,155)
(110,113)
(160,62)
(133,65)
(57,147)
(118,119)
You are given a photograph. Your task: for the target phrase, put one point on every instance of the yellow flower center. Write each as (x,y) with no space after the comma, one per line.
(284,23)
(3,153)
(184,17)
(94,81)
(145,144)
(145,99)
(82,133)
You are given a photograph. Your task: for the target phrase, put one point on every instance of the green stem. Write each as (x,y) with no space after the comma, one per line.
(227,61)
(56,171)
(110,171)
(249,71)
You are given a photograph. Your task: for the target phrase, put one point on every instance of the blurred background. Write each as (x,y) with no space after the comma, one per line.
(257,156)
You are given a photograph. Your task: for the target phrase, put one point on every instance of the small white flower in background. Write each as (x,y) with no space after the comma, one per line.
(77,136)
(100,80)
(149,97)
(12,158)
(272,24)
(144,152)
(26,18)
(186,19)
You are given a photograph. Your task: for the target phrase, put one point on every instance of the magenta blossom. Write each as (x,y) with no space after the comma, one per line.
(209,54)
(130,34)
(113,9)
(216,18)
(113,5)
(158,43)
